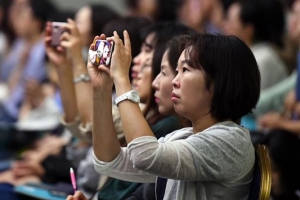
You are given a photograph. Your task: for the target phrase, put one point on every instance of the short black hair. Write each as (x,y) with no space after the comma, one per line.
(42,10)
(267,18)
(133,24)
(163,32)
(230,67)
(62,15)
(4,24)
(101,15)
(166,9)
(174,50)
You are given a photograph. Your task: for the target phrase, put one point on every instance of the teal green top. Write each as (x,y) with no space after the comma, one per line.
(272,99)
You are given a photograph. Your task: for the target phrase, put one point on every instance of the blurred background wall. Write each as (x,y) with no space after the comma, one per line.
(118,5)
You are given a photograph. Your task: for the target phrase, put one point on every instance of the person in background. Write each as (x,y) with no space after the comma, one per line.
(7,35)
(155,10)
(73,84)
(26,60)
(75,91)
(205,15)
(287,118)
(163,93)
(260,24)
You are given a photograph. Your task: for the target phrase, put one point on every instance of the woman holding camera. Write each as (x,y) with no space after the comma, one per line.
(217,82)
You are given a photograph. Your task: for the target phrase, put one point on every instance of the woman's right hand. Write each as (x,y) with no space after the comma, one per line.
(57,55)
(77,196)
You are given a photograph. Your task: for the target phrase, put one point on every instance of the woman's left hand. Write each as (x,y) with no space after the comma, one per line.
(71,41)
(121,57)
(25,168)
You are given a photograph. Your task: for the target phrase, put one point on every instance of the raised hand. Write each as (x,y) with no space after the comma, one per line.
(57,55)
(71,41)
(121,57)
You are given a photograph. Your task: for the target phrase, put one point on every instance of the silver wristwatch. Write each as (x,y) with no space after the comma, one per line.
(132,96)
(82,78)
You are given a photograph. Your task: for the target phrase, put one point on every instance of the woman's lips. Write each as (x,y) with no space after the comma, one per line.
(156,100)
(174,96)
(133,74)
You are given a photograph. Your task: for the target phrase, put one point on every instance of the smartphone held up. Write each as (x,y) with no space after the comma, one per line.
(101,55)
(57,28)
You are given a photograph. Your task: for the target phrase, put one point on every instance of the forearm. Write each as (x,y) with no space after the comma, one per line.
(15,76)
(121,168)
(129,111)
(273,98)
(83,94)
(67,92)
(105,141)
(288,125)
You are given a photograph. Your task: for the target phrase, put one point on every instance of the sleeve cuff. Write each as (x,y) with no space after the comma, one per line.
(102,165)
(78,129)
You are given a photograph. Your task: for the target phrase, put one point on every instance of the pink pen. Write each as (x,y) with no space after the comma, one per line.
(73,179)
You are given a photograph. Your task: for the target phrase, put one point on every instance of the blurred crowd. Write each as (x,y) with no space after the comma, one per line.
(46,98)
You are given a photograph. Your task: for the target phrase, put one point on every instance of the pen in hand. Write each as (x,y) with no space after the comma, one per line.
(73,179)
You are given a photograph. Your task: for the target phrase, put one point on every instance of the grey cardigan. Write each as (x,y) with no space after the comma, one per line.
(213,164)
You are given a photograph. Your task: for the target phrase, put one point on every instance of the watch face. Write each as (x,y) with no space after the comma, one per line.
(135,96)
(85,77)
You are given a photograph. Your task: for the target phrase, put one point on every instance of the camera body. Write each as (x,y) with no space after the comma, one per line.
(102,53)
(57,30)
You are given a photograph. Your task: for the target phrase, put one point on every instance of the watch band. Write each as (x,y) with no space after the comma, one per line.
(82,78)
(132,95)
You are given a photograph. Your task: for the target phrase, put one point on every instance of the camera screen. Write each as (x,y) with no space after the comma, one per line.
(103,51)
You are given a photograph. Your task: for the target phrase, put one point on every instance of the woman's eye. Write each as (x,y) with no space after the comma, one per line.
(184,69)
(148,50)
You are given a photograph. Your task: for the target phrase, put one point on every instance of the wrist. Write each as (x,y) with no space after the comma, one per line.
(101,90)
(80,69)
(64,66)
(64,72)
(279,122)
(122,82)
(102,93)
(79,62)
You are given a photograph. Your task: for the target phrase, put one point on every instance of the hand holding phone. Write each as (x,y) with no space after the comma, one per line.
(57,30)
(102,53)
